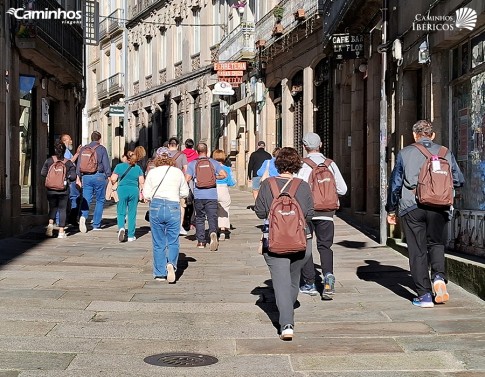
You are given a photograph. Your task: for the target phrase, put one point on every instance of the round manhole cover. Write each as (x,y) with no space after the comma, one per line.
(181,359)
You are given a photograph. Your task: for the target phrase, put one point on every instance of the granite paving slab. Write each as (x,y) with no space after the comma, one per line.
(35,360)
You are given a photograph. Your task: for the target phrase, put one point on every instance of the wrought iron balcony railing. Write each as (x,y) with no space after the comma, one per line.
(115,84)
(102,89)
(239,43)
(115,20)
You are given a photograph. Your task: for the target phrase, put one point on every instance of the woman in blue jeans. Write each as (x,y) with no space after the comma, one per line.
(164,186)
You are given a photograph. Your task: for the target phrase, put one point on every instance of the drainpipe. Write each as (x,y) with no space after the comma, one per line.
(383,130)
(8,125)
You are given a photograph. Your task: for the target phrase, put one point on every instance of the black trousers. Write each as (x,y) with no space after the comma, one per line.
(58,202)
(424,231)
(324,232)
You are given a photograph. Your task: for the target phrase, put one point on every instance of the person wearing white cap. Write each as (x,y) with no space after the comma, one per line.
(322,221)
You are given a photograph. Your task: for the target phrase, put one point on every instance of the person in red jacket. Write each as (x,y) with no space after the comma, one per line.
(189,150)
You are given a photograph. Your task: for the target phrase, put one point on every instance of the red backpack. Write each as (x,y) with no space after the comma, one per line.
(435,181)
(287,225)
(56,175)
(88,160)
(323,185)
(205,174)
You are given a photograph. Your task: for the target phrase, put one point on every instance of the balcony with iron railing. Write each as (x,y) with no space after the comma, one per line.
(239,43)
(115,20)
(141,5)
(111,88)
(290,19)
(103,29)
(37,41)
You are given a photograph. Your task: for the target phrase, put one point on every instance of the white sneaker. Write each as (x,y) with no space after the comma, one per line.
(287,332)
(214,244)
(170,273)
(121,235)
(182,232)
(82,225)
(49,230)
(222,236)
(62,235)
(131,239)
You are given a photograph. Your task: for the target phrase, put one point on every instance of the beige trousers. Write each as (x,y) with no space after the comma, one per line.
(224,202)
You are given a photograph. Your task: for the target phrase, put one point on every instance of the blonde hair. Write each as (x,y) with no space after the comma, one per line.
(219,155)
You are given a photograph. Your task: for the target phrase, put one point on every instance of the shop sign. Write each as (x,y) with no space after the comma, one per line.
(230,66)
(230,73)
(347,46)
(45,110)
(116,111)
(223,88)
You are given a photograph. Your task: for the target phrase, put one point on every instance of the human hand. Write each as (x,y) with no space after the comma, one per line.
(391,219)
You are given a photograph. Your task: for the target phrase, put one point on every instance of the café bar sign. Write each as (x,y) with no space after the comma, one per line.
(348,46)
(230,72)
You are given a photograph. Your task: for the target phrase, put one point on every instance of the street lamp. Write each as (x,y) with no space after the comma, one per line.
(240,6)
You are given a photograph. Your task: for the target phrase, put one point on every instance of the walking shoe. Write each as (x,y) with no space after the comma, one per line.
(62,235)
(121,235)
(170,273)
(50,229)
(214,244)
(160,278)
(287,332)
(222,237)
(200,245)
(182,232)
(309,289)
(131,239)
(440,291)
(329,284)
(82,225)
(424,301)
(97,229)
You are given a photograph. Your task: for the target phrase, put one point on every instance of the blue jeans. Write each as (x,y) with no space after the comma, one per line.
(94,185)
(205,208)
(165,225)
(128,198)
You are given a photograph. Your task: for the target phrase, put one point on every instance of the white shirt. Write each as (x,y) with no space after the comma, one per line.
(173,187)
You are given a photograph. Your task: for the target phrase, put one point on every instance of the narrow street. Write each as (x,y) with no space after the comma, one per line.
(88,306)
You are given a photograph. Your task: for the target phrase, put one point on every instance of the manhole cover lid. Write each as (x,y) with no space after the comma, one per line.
(180,359)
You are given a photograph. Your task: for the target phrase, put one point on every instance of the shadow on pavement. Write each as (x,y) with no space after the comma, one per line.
(183,264)
(13,247)
(393,278)
(267,302)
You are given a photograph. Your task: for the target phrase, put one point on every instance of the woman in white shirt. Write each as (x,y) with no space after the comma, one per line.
(164,186)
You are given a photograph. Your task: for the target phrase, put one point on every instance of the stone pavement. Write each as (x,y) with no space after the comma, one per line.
(88,306)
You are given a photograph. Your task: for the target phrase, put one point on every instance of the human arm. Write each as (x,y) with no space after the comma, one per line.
(71,171)
(458,179)
(184,187)
(250,166)
(395,186)
(148,185)
(263,200)
(263,168)
(220,172)
(76,155)
(105,163)
(305,199)
(45,167)
(339,180)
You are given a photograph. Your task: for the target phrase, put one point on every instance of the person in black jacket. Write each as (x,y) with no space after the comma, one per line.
(58,199)
(255,162)
(285,269)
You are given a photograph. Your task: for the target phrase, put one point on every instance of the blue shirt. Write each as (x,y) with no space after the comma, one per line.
(229,180)
(67,154)
(205,193)
(131,178)
(273,172)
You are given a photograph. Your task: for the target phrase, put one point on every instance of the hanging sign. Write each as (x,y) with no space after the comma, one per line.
(223,88)
(230,66)
(348,46)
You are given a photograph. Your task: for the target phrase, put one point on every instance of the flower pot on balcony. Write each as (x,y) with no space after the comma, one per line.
(278,30)
(260,43)
(300,14)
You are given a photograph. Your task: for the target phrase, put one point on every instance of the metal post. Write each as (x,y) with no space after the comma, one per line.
(383,132)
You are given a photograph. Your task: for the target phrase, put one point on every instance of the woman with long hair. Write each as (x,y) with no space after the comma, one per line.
(58,198)
(130,179)
(164,186)
(286,268)
(223,196)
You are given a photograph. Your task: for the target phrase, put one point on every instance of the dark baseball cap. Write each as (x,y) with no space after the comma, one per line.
(261,143)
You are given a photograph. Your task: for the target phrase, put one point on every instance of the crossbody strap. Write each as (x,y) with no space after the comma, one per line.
(125,173)
(153,196)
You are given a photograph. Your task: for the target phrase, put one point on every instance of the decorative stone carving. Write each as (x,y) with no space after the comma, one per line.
(195,62)
(178,70)
(163,76)
(148,82)
(136,88)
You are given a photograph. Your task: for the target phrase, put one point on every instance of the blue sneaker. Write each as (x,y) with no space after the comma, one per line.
(309,289)
(329,284)
(424,301)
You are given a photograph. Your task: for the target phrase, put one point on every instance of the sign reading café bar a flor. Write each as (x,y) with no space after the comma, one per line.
(230,72)
(348,46)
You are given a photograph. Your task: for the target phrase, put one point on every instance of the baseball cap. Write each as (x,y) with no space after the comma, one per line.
(311,140)
(163,150)
(261,143)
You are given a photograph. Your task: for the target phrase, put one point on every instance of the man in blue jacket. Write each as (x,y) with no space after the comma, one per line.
(94,184)
(422,225)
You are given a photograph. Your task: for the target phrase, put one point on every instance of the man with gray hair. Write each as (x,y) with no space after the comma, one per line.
(423,225)
(322,221)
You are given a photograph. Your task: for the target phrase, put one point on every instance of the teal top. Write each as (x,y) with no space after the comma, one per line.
(130,179)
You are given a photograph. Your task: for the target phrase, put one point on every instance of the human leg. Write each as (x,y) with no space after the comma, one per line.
(297,261)
(88,190)
(132,203)
(436,224)
(121,207)
(100,183)
(159,238)
(200,215)
(172,220)
(414,226)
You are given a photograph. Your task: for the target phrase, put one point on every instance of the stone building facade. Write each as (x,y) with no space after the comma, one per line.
(41,97)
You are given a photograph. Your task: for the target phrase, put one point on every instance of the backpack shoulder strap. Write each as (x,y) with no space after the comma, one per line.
(97,145)
(176,156)
(274,187)
(422,149)
(295,183)
(442,152)
(327,162)
(54,159)
(310,162)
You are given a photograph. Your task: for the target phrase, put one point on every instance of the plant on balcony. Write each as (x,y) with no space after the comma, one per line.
(300,14)
(278,12)
(260,43)
(278,29)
